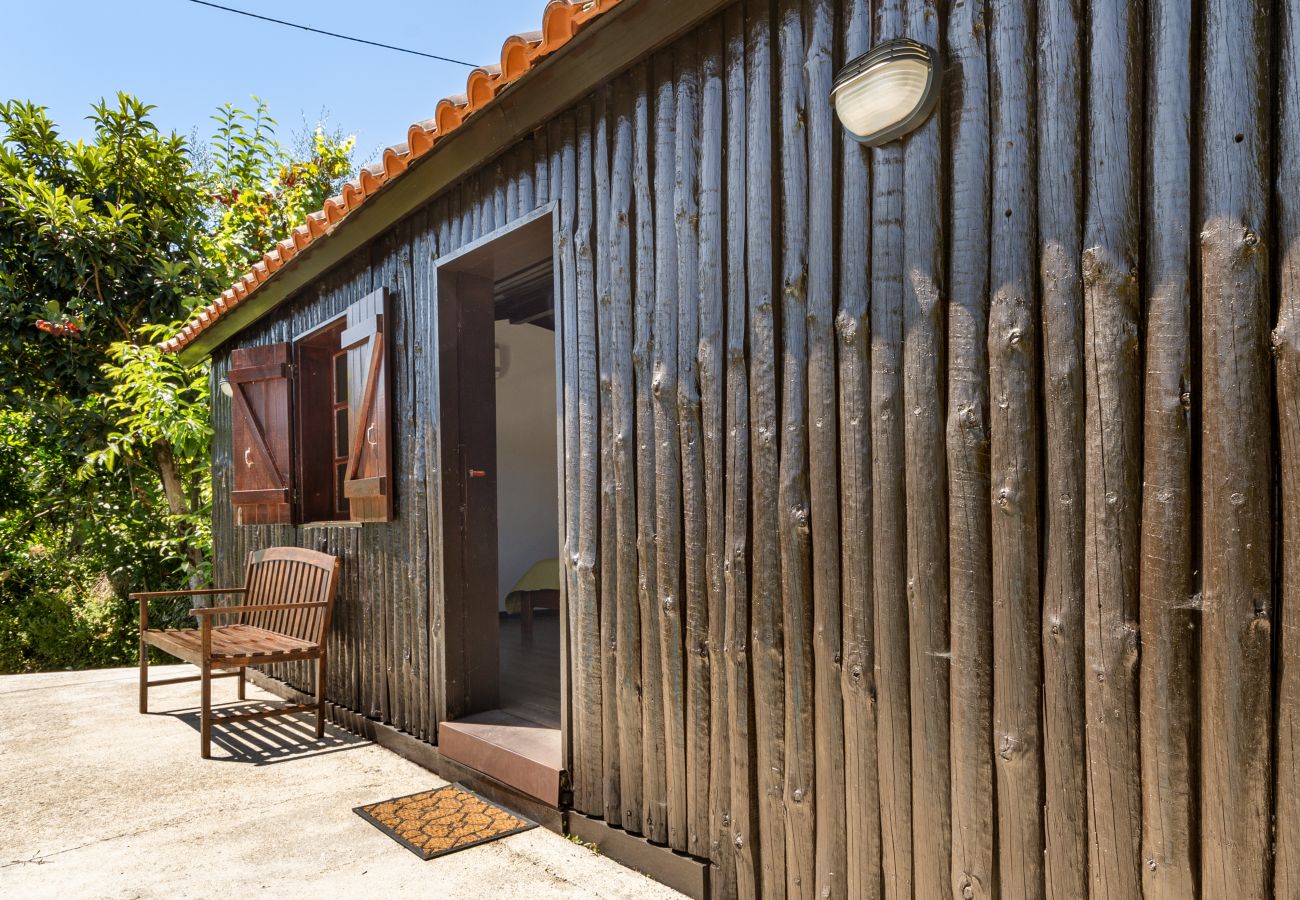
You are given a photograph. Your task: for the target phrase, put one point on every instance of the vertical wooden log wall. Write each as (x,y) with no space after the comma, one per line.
(1286,343)
(853,329)
(766,650)
(1112,448)
(1014,455)
(889,516)
(1236,454)
(1168,620)
(970,563)
(925,526)
(1060,179)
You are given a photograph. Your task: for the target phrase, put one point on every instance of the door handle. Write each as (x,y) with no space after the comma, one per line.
(478,473)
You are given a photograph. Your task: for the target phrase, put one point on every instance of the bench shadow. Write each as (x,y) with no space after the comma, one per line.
(263,742)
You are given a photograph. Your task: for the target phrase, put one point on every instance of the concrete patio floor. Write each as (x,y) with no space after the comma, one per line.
(97,800)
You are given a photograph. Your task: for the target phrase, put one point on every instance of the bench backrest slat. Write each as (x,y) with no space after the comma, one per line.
(291,575)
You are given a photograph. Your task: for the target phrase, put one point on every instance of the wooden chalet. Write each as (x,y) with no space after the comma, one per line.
(927,516)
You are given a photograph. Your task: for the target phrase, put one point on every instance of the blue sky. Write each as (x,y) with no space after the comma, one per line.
(187,59)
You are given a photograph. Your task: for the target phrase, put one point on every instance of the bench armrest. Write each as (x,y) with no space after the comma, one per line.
(222,610)
(203,592)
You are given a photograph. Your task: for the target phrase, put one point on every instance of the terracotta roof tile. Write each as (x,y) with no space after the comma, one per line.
(561,20)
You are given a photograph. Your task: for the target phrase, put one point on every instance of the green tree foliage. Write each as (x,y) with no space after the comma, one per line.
(106,246)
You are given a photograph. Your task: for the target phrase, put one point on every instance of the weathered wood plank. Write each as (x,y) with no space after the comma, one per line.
(668,462)
(1168,620)
(926,477)
(793,514)
(563,179)
(858,670)
(588,649)
(608,524)
(417,511)
(695,626)
(435,439)
(655,824)
(1060,239)
(1014,457)
(743,777)
(718,843)
(766,648)
(1286,347)
(969,552)
(823,474)
(889,514)
(1112,448)
(622,403)
(1236,434)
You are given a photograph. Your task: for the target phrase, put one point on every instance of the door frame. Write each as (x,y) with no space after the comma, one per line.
(469,634)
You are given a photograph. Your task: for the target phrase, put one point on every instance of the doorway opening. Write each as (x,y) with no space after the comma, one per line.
(499,426)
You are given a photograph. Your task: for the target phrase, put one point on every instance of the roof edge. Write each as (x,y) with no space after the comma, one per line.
(610,44)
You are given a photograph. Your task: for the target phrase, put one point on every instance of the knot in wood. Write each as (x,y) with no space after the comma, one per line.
(856,671)
(739,842)
(848,328)
(802,518)
(668,604)
(1014,336)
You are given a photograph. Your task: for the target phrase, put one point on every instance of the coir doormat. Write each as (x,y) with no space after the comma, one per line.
(435,823)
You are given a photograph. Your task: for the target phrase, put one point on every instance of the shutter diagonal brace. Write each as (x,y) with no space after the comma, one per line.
(258,434)
(368,398)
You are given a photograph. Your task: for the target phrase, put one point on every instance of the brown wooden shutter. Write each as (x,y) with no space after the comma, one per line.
(368,483)
(262,492)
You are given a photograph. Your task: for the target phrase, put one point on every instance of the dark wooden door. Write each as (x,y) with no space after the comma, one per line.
(467,349)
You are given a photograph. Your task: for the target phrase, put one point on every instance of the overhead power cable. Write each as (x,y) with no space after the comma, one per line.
(342,37)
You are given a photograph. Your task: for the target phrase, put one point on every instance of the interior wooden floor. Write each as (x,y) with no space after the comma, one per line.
(530,674)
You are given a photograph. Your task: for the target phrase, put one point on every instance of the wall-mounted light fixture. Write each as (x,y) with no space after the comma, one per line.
(226,388)
(887,91)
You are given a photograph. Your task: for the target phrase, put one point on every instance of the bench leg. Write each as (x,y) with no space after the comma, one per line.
(205,713)
(526,617)
(144,676)
(242,670)
(320,697)
(144,657)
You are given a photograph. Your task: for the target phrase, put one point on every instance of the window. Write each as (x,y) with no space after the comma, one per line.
(310,424)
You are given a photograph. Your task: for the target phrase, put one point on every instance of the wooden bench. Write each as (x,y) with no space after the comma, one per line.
(288,597)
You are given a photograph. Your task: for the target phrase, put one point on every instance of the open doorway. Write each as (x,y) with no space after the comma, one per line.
(500,537)
(527,514)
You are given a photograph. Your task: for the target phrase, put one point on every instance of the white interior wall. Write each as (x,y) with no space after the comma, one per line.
(527,485)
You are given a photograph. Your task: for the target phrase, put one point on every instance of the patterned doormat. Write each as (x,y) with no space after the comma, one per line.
(435,823)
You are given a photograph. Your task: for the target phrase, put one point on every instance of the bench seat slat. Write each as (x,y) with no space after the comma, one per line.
(228,642)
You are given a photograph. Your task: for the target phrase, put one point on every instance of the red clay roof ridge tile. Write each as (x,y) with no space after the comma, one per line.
(561,20)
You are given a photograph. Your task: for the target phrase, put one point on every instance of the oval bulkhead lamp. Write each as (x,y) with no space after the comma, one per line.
(227,389)
(887,91)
